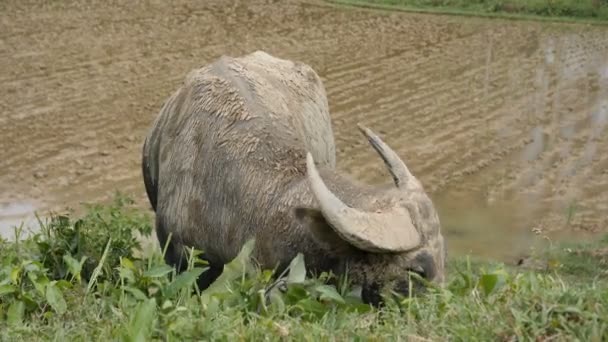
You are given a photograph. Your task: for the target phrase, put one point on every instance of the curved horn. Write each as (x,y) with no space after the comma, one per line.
(401,174)
(388,231)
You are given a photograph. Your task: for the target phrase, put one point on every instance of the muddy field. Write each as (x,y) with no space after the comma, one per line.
(504,122)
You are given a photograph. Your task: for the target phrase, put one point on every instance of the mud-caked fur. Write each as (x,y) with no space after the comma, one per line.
(225,161)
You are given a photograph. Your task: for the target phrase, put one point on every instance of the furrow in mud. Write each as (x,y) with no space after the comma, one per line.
(447,118)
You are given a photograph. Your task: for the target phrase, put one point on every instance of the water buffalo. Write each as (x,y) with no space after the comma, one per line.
(245,149)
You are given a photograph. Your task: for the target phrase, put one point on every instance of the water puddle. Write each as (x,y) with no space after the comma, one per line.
(17,215)
(501,230)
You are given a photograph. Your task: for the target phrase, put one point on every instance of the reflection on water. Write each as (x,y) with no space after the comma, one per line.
(496,212)
(472,228)
(17,214)
(499,230)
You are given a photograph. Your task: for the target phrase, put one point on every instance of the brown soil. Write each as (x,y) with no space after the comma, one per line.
(503,121)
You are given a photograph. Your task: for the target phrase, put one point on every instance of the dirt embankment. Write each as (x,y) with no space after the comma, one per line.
(500,120)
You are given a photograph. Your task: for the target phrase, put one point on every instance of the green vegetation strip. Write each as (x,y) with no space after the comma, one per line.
(583,11)
(87,279)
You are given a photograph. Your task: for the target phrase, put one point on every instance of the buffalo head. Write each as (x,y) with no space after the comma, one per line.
(385,234)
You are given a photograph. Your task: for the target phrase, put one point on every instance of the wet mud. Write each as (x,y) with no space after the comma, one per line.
(504,122)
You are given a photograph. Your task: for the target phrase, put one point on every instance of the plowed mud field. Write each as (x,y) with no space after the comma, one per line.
(504,122)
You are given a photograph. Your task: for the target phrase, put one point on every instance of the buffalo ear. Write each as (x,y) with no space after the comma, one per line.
(322,232)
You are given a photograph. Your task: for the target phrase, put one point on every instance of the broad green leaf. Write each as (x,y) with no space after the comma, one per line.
(233,270)
(267,276)
(295,293)
(137,293)
(501,273)
(329,292)
(74,266)
(488,282)
(238,266)
(40,283)
(158,271)
(126,262)
(141,323)
(354,304)
(48,315)
(276,301)
(297,269)
(309,305)
(15,275)
(30,303)
(210,303)
(31,266)
(55,299)
(7,289)
(63,284)
(16,312)
(167,305)
(182,281)
(126,274)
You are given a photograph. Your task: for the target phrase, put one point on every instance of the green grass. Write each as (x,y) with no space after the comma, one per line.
(85,279)
(593,11)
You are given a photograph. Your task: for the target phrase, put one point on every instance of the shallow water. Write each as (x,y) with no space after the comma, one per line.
(17,217)
(504,122)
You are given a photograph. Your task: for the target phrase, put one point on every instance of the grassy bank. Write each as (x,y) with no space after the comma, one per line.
(81,280)
(595,11)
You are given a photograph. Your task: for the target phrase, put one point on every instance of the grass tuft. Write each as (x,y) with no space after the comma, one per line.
(593,11)
(82,279)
